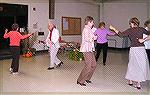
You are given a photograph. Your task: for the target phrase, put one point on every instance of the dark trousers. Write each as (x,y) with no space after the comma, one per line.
(100,47)
(89,68)
(148,54)
(15,50)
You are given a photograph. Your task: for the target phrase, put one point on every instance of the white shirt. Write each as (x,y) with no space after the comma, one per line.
(87,44)
(93,30)
(54,38)
(146,43)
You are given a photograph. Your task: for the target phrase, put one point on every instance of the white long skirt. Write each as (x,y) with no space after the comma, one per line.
(138,66)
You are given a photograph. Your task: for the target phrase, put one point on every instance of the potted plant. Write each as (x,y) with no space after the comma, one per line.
(27,44)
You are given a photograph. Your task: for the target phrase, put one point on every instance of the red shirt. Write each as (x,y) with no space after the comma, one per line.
(15,37)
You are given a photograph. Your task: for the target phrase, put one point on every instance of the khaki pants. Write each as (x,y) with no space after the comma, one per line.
(89,68)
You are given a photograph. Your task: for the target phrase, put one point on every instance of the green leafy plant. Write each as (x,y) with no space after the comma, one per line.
(76,55)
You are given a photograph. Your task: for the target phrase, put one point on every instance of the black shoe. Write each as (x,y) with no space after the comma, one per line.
(60,64)
(104,64)
(88,81)
(10,70)
(50,68)
(82,84)
(138,87)
(131,84)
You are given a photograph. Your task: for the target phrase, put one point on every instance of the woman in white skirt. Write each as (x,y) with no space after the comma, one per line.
(138,67)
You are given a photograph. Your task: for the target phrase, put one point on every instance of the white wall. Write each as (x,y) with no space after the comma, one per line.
(74,8)
(148,9)
(119,13)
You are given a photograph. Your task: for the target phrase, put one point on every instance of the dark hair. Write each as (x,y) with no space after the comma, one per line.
(135,21)
(88,19)
(101,24)
(146,23)
(15,26)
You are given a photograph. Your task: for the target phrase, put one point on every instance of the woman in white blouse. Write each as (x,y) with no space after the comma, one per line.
(52,42)
(87,48)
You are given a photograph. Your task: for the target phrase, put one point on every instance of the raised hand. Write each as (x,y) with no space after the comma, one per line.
(112,28)
(6,30)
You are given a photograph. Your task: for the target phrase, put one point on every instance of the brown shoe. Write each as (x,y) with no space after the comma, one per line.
(88,81)
(82,84)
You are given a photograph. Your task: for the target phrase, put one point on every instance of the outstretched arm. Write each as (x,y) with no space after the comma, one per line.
(111,32)
(25,36)
(121,34)
(6,35)
(113,29)
(144,39)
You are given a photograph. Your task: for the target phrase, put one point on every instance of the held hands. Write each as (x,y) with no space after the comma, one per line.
(92,40)
(141,40)
(113,29)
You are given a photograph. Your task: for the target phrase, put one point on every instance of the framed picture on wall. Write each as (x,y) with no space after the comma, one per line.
(71,26)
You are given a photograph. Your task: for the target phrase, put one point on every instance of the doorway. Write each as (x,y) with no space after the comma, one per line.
(9,14)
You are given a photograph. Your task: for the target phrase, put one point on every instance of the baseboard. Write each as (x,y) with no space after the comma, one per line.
(5,54)
(114,48)
(2,57)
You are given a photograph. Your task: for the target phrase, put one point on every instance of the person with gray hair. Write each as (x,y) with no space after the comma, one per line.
(52,42)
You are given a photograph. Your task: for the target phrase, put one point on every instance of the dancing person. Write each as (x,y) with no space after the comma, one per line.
(87,48)
(15,38)
(138,67)
(52,42)
(146,41)
(102,43)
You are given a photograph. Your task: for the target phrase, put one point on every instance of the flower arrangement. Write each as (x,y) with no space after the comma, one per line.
(76,55)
